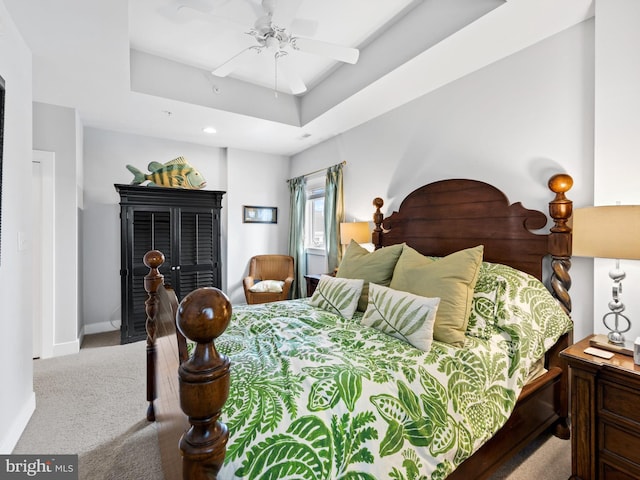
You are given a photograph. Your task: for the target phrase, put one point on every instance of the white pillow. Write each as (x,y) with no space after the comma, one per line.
(274,286)
(402,315)
(337,295)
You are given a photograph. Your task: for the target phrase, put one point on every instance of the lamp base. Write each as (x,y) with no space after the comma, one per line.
(601,341)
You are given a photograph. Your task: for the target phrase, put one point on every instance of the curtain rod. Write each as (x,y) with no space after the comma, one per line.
(343,163)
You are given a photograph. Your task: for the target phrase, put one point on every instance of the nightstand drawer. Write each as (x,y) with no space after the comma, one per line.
(620,442)
(620,401)
(613,472)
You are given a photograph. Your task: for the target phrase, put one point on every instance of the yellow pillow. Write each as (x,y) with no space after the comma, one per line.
(376,267)
(452,278)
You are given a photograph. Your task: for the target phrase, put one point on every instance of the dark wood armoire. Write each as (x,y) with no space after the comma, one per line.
(185,226)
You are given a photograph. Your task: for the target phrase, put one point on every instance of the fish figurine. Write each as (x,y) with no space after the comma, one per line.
(176,173)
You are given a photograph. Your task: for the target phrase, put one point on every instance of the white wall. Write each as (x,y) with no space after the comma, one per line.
(106,155)
(259,180)
(56,129)
(249,178)
(617,143)
(17,401)
(513,124)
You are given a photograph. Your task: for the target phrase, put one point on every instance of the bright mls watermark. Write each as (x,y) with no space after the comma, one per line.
(52,467)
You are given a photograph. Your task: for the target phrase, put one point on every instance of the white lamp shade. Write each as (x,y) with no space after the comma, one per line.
(607,232)
(358,231)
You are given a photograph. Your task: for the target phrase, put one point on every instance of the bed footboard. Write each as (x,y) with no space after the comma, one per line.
(152,283)
(203,316)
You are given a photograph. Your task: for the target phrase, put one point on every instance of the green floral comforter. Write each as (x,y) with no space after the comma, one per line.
(317,396)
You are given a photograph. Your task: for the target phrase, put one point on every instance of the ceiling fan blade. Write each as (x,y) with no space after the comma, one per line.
(283,11)
(296,85)
(337,52)
(256,9)
(269,6)
(230,65)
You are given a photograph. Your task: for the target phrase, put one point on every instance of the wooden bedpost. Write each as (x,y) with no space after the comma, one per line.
(560,209)
(152,282)
(378,217)
(203,315)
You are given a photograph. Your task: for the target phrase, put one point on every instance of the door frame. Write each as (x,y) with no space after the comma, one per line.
(45,272)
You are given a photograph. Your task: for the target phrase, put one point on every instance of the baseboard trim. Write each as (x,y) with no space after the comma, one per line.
(91,328)
(68,348)
(10,440)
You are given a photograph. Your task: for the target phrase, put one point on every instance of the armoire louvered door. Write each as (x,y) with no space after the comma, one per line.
(185,226)
(199,265)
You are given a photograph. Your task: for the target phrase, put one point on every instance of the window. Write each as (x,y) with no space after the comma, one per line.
(314,217)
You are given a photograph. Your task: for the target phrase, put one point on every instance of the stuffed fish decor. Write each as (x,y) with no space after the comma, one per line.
(177,173)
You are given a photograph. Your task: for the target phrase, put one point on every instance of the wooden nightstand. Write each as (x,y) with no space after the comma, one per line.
(312,283)
(605,415)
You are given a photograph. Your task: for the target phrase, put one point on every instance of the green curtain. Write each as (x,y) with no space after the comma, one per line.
(298,200)
(333,215)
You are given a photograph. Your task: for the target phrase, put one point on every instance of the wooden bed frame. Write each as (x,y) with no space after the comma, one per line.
(437,219)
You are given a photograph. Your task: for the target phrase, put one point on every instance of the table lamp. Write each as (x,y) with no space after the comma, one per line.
(358,231)
(609,232)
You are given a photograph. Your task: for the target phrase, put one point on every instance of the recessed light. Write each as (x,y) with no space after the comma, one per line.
(209,130)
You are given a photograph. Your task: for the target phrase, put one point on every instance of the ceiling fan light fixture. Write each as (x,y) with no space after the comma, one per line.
(272,43)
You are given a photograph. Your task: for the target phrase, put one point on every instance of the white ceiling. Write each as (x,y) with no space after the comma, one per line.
(144,66)
(207,33)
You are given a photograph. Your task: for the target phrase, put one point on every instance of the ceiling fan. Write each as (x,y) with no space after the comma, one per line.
(272,32)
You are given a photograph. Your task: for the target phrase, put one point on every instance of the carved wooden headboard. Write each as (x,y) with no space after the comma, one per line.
(446,216)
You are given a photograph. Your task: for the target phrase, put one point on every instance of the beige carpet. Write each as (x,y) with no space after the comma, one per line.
(94,404)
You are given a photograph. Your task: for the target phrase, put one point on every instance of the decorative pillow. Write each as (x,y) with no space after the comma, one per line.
(376,267)
(451,278)
(402,315)
(337,295)
(274,286)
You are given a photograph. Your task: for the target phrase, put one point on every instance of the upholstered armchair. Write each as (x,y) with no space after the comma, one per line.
(276,271)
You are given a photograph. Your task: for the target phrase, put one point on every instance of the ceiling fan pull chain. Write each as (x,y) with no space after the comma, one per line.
(275,81)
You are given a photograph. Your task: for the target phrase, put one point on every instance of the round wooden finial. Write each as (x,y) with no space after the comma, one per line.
(204,314)
(560,183)
(153,259)
(378,202)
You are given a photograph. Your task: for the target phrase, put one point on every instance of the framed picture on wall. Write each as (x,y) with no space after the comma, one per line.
(252,214)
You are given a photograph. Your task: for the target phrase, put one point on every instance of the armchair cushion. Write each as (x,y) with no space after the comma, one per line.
(274,286)
(269,280)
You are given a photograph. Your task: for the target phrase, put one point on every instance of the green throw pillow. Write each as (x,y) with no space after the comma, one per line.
(337,295)
(451,278)
(402,315)
(376,267)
